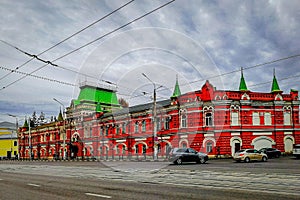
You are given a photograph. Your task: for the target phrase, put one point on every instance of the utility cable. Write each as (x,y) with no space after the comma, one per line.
(67,38)
(38,77)
(234,71)
(89,43)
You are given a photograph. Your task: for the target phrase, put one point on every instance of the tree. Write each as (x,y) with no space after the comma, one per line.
(123,103)
(41,119)
(25,124)
(33,120)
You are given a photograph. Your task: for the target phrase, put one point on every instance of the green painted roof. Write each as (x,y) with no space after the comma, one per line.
(93,94)
(243,86)
(177,91)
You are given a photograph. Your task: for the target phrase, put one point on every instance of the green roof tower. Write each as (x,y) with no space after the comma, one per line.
(275,86)
(243,86)
(177,91)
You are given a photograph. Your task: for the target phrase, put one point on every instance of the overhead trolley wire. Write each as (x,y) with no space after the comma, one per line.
(38,77)
(89,43)
(234,71)
(67,38)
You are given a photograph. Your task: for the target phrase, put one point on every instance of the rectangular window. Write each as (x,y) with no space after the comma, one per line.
(255,118)
(136,149)
(87,131)
(106,131)
(208,119)
(15,143)
(144,126)
(118,130)
(268,119)
(123,128)
(234,118)
(136,127)
(167,123)
(158,124)
(209,147)
(183,121)
(287,118)
(101,131)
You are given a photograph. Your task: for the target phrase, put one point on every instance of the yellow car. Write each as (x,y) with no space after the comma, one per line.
(248,155)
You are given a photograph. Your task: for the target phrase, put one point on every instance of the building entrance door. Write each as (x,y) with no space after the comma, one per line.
(237,147)
(8,154)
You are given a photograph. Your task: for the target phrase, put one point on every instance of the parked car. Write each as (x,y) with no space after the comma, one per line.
(248,155)
(180,155)
(271,152)
(296,150)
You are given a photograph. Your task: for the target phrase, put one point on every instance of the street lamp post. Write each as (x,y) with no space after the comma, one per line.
(64,132)
(154,118)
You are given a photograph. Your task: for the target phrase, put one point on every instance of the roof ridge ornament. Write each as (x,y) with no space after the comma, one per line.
(243,86)
(275,85)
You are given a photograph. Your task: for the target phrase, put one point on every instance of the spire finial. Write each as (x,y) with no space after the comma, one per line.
(177,91)
(243,86)
(275,85)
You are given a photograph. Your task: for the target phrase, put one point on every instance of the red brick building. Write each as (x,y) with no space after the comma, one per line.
(208,120)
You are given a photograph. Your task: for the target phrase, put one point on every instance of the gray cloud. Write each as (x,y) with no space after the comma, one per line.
(218,35)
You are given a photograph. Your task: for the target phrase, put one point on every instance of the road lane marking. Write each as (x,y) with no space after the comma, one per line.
(1,179)
(98,195)
(34,185)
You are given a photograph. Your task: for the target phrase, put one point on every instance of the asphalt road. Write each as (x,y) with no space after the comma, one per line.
(218,179)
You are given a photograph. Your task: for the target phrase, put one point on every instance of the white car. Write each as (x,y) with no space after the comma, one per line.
(296,151)
(248,155)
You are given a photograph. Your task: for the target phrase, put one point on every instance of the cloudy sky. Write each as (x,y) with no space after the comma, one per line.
(194,39)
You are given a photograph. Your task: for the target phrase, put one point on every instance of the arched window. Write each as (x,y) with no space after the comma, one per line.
(234,114)
(287,115)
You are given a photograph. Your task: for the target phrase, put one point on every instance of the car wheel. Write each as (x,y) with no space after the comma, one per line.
(247,159)
(201,161)
(179,161)
(264,159)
